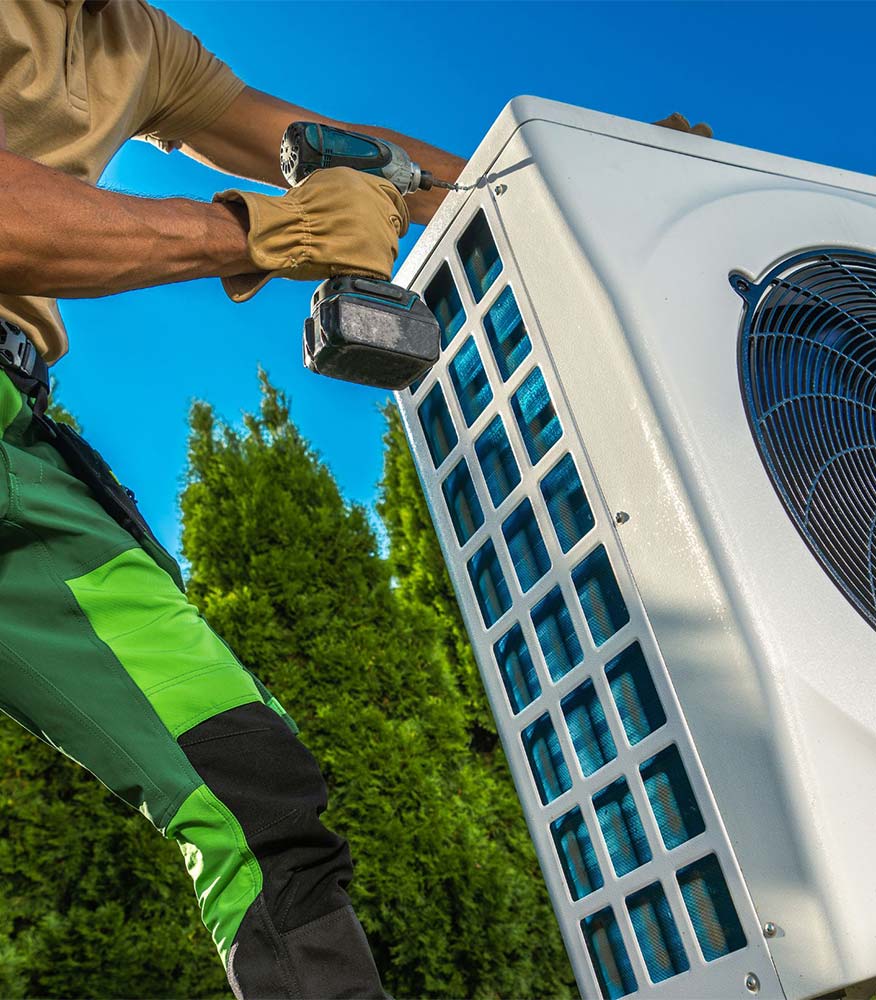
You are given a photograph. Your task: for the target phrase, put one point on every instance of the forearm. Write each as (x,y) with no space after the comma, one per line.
(63,238)
(245,141)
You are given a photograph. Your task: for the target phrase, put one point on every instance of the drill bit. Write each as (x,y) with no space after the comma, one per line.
(450,186)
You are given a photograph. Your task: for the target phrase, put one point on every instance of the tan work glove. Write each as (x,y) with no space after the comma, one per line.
(681,124)
(338,221)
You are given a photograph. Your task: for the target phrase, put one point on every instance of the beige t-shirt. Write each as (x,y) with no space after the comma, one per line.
(76,83)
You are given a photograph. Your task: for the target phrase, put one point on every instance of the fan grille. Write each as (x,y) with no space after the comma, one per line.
(808,370)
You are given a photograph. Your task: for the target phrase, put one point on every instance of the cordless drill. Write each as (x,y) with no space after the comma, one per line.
(363,329)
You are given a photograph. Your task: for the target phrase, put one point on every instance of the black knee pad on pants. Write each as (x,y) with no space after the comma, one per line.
(252,762)
(300,937)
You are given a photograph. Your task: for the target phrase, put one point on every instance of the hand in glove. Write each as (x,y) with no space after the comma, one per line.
(681,124)
(338,221)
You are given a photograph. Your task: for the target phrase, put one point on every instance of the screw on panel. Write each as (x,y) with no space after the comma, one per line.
(500,188)
(621,517)
(752,983)
(739,283)
(770,929)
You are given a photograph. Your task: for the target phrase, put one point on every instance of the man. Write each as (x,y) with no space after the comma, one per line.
(100,653)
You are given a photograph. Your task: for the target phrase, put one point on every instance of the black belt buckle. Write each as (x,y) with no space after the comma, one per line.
(16,351)
(23,365)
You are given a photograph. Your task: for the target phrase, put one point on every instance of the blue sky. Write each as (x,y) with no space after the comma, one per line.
(793,78)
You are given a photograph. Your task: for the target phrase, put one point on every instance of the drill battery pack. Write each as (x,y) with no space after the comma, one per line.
(370,331)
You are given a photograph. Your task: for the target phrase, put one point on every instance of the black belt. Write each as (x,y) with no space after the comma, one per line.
(22,363)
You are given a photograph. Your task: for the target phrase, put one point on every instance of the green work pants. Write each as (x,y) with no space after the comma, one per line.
(102,656)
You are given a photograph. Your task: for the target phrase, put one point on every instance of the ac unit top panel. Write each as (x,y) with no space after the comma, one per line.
(625,236)
(525,109)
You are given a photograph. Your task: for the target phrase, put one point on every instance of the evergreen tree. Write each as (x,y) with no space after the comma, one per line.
(423,583)
(446,883)
(420,573)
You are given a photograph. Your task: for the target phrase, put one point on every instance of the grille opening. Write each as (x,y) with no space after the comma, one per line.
(538,421)
(600,596)
(556,634)
(807,358)
(621,827)
(567,504)
(489,583)
(517,669)
(462,502)
(437,426)
(479,255)
(608,953)
(672,799)
(577,857)
(443,300)
(497,461)
(470,382)
(507,334)
(526,546)
(711,909)
(657,933)
(591,737)
(634,694)
(549,768)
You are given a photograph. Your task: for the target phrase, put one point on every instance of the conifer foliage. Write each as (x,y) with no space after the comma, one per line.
(423,586)
(446,884)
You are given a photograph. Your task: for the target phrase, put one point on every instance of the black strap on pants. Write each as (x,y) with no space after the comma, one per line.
(27,371)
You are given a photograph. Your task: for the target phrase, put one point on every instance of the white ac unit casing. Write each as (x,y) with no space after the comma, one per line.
(618,240)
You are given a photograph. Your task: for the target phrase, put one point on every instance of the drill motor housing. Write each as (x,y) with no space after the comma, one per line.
(308,146)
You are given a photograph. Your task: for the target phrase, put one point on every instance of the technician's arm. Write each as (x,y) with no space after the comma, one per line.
(245,141)
(63,238)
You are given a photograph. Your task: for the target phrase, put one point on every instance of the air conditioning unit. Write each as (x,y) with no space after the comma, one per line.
(649,448)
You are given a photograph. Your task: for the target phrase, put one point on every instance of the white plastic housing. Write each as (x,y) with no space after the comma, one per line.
(618,238)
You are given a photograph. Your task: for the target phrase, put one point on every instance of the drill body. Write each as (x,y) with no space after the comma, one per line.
(362,329)
(307,146)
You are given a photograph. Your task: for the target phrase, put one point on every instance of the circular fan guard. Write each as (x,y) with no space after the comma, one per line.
(807,361)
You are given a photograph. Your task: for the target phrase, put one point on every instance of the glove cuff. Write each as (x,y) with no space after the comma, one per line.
(241,287)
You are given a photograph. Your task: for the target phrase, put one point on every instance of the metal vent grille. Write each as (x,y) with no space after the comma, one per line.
(616,800)
(808,369)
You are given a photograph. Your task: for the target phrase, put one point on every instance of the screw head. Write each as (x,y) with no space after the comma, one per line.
(741,285)
(500,188)
(752,983)
(770,929)
(621,517)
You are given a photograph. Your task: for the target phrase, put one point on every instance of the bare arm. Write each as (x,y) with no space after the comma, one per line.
(245,141)
(63,238)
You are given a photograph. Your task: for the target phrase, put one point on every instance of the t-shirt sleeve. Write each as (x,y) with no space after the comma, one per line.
(189,86)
